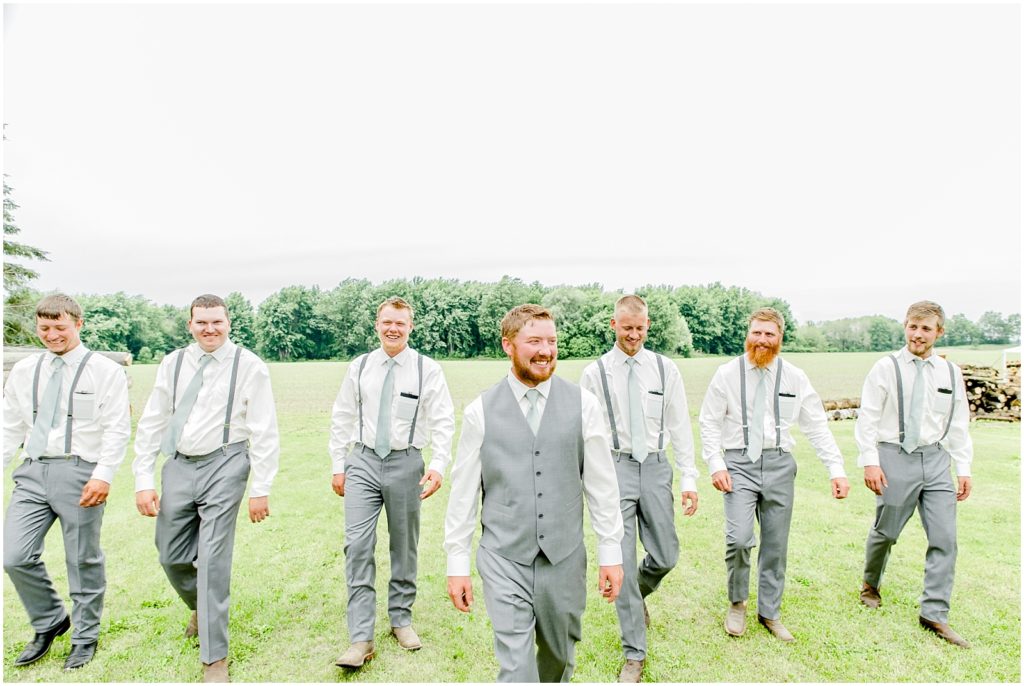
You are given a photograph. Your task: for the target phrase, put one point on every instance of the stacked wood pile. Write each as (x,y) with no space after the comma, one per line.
(844,408)
(989,396)
(14,353)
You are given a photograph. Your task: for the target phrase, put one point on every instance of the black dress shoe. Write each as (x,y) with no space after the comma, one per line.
(40,645)
(80,655)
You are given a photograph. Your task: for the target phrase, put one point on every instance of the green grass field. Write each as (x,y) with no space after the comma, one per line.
(288,599)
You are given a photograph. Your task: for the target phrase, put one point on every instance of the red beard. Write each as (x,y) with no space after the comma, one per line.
(762,355)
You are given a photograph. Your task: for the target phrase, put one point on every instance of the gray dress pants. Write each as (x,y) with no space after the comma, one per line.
(47,489)
(646,500)
(920,479)
(761,490)
(394,485)
(541,603)
(195,536)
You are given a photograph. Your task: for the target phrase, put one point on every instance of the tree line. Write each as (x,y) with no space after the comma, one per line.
(461,319)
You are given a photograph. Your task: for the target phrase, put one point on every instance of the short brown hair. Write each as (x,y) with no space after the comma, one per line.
(397,303)
(55,305)
(516,318)
(767,314)
(630,303)
(924,309)
(208,300)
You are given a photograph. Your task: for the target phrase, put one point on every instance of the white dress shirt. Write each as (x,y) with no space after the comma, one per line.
(102,423)
(436,418)
(599,482)
(878,416)
(253,417)
(721,419)
(677,414)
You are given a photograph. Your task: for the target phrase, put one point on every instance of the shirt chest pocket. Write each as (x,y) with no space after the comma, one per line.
(788,406)
(84,408)
(942,401)
(655,403)
(405,406)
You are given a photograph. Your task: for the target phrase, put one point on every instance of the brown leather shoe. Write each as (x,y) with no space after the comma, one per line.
(870,596)
(358,654)
(631,672)
(407,637)
(647,616)
(776,628)
(736,619)
(216,673)
(192,630)
(944,632)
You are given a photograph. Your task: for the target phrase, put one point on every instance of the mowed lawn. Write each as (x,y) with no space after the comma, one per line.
(288,588)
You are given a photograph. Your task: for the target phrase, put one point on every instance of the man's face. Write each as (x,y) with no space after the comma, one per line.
(764,340)
(630,331)
(921,335)
(393,327)
(533,351)
(210,327)
(59,335)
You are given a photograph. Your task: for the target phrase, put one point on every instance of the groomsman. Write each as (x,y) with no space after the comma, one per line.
(211,413)
(644,403)
(392,401)
(745,421)
(69,407)
(532,447)
(912,424)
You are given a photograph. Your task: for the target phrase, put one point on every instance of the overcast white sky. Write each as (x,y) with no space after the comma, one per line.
(850,159)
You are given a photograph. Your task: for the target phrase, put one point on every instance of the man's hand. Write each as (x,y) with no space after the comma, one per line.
(338,484)
(259,509)
(874,478)
(840,487)
(94,493)
(460,590)
(689,502)
(964,490)
(722,481)
(433,481)
(147,502)
(609,582)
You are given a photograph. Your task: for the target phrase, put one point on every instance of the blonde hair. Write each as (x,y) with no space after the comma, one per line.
(397,303)
(633,304)
(767,314)
(516,318)
(923,310)
(55,305)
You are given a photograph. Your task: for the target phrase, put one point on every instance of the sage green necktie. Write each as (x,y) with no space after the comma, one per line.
(46,414)
(756,443)
(637,424)
(183,408)
(533,415)
(912,434)
(382,444)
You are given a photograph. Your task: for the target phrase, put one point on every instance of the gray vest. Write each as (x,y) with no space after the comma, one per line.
(532,485)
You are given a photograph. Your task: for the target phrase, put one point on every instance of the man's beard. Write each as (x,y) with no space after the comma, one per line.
(526,374)
(762,355)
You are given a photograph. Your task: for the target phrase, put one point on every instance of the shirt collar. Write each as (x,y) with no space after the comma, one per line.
(772,366)
(400,359)
(71,357)
(220,354)
(906,356)
(619,357)
(519,389)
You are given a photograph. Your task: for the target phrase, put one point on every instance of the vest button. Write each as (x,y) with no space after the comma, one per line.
(540,516)
(538,473)
(541,537)
(540,495)
(536,452)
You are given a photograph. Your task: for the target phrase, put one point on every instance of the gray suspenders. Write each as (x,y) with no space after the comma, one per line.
(743,402)
(71,397)
(899,396)
(231,389)
(611,411)
(359,396)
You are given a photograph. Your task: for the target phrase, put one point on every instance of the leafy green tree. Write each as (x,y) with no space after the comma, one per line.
(959,330)
(348,313)
(582,316)
(669,333)
(495,302)
(884,334)
(1013,324)
(287,328)
(243,320)
(993,328)
(19,299)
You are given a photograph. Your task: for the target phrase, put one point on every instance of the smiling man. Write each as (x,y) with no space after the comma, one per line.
(911,425)
(745,421)
(69,408)
(534,446)
(392,402)
(644,403)
(212,415)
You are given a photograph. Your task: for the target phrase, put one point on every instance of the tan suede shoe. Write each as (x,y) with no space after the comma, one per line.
(631,672)
(216,673)
(407,637)
(192,630)
(736,619)
(776,628)
(358,654)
